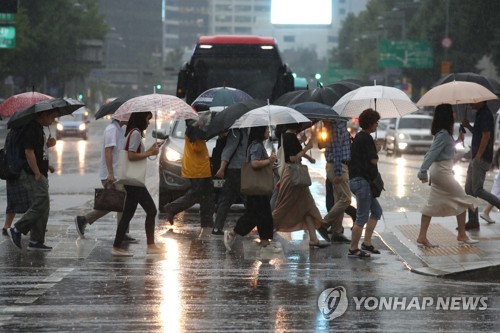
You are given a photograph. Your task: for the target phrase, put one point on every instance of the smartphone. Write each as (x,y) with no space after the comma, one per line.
(462,129)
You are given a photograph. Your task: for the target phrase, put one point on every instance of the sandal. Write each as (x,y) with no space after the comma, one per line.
(358,253)
(370,248)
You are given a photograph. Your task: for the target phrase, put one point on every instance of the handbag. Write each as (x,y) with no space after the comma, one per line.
(109,199)
(281,159)
(131,172)
(256,181)
(377,186)
(299,175)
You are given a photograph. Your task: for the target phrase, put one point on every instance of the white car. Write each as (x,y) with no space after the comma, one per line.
(411,133)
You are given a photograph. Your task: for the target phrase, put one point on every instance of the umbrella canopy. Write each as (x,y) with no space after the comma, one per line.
(293,97)
(486,82)
(64,106)
(316,111)
(387,101)
(18,102)
(224,119)
(456,92)
(162,106)
(220,96)
(270,115)
(111,107)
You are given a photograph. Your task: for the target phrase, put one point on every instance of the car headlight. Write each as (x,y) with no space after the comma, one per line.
(59,127)
(82,127)
(401,136)
(172,155)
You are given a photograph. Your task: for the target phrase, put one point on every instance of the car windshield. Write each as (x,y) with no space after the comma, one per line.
(420,123)
(72,117)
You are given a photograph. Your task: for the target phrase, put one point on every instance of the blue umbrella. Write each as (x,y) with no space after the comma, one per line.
(220,96)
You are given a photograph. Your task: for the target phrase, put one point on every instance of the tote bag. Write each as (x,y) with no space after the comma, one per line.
(131,172)
(256,181)
(299,175)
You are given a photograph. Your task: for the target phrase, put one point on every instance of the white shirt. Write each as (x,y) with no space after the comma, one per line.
(114,136)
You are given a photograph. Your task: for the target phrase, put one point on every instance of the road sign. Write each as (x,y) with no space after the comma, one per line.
(7,37)
(6,17)
(337,74)
(405,53)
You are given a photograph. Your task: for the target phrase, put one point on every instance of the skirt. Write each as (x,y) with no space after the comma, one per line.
(293,204)
(447,197)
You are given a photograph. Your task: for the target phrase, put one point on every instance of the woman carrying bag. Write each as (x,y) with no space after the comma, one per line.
(137,194)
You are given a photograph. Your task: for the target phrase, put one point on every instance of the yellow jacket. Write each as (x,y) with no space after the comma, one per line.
(196,161)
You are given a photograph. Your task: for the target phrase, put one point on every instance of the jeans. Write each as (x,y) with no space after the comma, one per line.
(35,219)
(258,214)
(368,206)
(137,195)
(476,173)
(230,192)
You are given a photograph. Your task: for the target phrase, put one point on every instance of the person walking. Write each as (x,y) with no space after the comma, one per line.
(113,142)
(482,156)
(233,157)
(196,168)
(258,213)
(137,195)
(447,197)
(495,190)
(295,207)
(34,179)
(363,169)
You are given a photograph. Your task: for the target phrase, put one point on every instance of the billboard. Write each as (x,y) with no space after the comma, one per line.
(300,12)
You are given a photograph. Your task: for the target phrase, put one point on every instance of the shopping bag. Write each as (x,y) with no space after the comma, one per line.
(257,181)
(109,199)
(299,175)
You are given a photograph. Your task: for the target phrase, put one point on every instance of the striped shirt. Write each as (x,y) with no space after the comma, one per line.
(338,147)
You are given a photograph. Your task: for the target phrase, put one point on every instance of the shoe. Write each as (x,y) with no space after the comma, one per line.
(81,224)
(318,245)
(273,247)
(155,250)
(119,252)
(168,216)
(324,233)
(487,218)
(369,248)
(217,232)
(340,239)
(229,240)
(38,247)
(469,241)
(15,237)
(130,240)
(358,253)
(472,226)
(4,232)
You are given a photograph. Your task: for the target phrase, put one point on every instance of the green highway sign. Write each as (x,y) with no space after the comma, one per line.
(404,53)
(6,17)
(337,74)
(7,37)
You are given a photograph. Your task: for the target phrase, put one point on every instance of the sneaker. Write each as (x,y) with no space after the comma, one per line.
(340,238)
(217,232)
(4,232)
(15,237)
(168,216)
(487,218)
(130,240)
(229,240)
(155,250)
(81,224)
(38,247)
(119,252)
(324,233)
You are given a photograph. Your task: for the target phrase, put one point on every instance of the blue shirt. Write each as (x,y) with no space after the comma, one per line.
(484,123)
(442,148)
(338,147)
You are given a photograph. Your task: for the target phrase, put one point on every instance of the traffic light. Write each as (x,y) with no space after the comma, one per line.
(158,86)
(317,76)
(80,96)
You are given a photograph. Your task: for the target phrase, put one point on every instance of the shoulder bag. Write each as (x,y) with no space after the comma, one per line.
(109,199)
(131,172)
(377,186)
(299,175)
(256,181)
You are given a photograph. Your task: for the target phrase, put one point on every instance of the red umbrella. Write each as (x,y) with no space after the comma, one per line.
(18,102)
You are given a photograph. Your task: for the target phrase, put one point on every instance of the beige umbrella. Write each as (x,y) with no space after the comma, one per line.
(456,92)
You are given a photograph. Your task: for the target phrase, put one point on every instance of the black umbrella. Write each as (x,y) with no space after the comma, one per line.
(486,82)
(293,97)
(64,106)
(316,111)
(226,118)
(219,96)
(111,107)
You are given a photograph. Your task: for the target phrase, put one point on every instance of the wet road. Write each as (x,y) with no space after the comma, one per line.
(198,287)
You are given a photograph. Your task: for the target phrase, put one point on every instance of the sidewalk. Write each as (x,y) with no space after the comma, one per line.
(399,232)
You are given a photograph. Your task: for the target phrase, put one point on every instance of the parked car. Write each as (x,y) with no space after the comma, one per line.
(411,133)
(73,125)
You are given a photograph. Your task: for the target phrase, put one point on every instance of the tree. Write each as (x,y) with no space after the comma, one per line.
(50,37)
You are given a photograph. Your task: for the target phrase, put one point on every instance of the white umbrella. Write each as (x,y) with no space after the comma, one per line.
(162,106)
(456,92)
(387,101)
(270,115)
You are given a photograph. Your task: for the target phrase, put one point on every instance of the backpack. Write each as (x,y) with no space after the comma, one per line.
(12,158)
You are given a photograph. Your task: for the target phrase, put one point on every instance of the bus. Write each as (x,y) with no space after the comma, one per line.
(249,63)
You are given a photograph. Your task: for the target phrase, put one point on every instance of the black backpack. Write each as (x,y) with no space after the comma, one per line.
(12,158)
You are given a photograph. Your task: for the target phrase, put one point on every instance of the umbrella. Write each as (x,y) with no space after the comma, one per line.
(18,102)
(456,92)
(389,102)
(316,111)
(293,97)
(162,106)
(220,96)
(224,119)
(270,115)
(64,106)
(486,82)
(111,107)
